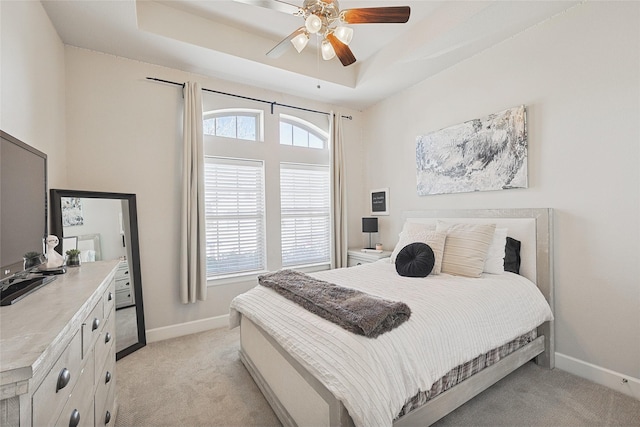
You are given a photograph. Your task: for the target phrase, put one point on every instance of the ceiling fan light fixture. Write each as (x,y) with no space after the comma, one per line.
(300,41)
(313,23)
(344,34)
(327,51)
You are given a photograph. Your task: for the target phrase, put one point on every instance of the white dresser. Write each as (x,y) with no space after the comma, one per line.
(57,353)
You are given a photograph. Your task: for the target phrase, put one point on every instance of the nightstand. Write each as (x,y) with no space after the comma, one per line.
(357,257)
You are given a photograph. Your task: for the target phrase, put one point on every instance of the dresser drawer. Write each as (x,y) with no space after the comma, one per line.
(54,391)
(124,283)
(123,270)
(105,392)
(124,298)
(106,410)
(109,299)
(91,328)
(104,345)
(80,403)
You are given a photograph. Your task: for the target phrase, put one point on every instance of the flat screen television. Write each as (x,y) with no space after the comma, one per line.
(23,205)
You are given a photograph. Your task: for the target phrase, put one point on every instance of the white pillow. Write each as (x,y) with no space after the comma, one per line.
(494,264)
(466,247)
(428,235)
(410,229)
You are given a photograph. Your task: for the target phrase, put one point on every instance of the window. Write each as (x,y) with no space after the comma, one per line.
(233,123)
(300,133)
(305,214)
(234,215)
(244,179)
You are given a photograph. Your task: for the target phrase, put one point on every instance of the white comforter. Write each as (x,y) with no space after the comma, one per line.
(453,320)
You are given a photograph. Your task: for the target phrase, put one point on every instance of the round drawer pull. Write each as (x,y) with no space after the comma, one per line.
(95,324)
(74,420)
(107,377)
(107,418)
(107,337)
(63,379)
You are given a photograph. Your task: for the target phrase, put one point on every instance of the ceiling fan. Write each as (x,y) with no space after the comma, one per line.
(324,18)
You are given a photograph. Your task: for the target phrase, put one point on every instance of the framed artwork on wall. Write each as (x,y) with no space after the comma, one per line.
(380,201)
(485,154)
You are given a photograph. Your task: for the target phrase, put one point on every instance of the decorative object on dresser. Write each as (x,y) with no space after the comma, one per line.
(369,225)
(109,232)
(484,154)
(73,258)
(58,353)
(358,257)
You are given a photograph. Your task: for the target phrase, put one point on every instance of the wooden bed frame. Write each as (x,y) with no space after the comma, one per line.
(299,399)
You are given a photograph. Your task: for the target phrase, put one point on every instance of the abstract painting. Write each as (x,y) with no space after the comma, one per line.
(484,154)
(71,211)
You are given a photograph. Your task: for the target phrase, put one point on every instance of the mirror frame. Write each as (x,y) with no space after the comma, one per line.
(56,229)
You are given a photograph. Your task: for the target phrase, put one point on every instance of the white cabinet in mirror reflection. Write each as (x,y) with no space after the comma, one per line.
(124,288)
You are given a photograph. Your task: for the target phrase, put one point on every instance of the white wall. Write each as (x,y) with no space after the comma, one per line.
(124,135)
(32,83)
(579,76)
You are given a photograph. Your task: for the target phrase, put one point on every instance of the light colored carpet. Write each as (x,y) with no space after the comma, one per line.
(198,380)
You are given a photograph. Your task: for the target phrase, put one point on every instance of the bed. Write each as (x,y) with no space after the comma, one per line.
(314,373)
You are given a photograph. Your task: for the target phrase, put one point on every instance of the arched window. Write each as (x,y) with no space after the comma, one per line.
(233,123)
(242,180)
(300,133)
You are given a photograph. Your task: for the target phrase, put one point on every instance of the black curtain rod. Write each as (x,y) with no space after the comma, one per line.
(272,103)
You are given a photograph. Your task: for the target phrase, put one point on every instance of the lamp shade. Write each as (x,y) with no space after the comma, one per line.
(300,41)
(327,51)
(313,23)
(344,34)
(369,225)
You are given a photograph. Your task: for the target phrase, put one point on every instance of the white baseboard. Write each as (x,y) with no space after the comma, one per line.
(174,331)
(599,375)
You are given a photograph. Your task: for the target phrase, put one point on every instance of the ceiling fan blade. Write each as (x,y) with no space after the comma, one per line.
(279,49)
(278,5)
(342,50)
(376,15)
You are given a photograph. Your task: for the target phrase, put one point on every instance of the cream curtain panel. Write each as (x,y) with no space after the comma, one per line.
(193,267)
(338,193)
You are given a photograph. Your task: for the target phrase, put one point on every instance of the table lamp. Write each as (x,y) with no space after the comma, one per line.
(370,225)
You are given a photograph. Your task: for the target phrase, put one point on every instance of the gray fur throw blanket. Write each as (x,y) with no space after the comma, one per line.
(355,311)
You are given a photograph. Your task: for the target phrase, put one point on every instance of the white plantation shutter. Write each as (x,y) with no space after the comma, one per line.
(305,214)
(235,216)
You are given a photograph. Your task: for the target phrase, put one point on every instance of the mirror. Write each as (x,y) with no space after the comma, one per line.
(104,226)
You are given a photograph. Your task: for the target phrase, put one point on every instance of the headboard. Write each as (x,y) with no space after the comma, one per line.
(532,227)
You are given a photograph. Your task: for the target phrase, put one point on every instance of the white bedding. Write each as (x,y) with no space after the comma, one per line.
(453,320)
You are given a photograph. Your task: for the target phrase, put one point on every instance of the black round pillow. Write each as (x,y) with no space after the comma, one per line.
(415,260)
